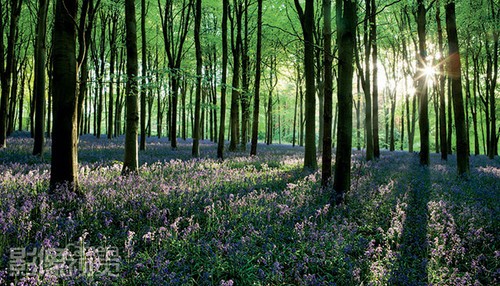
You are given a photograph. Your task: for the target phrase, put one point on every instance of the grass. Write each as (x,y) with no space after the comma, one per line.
(247,220)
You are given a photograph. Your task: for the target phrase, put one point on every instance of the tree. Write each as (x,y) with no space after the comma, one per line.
(6,72)
(328,93)
(255,125)
(236,45)
(373,41)
(421,89)
(142,145)
(220,142)
(199,65)
(64,162)
(306,17)
(454,72)
(113,23)
(346,35)
(84,38)
(442,80)
(364,74)
(131,160)
(174,39)
(39,88)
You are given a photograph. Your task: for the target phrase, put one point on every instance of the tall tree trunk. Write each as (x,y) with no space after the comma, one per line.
(199,65)
(21,100)
(40,50)
(441,90)
(3,83)
(346,35)
(13,98)
(450,119)
(245,95)
(373,35)
(326,168)
(454,72)
(364,74)
(236,43)
(6,72)
(492,75)
(222,125)
(112,60)
(102,61)
(131,160)
(256,103)
(64,160)
(174,39)
(423,120)
(306,17)
(142,144)
(297,82)
(474,109)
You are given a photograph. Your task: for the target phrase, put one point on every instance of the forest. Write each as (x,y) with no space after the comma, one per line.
(249,142)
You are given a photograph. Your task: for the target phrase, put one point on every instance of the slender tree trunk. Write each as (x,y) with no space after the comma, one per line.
(222,125)
(474,110)
(245,95)
(450,118)
(454,72)
(307,22)
(255,124)
(235,94)
(40,50)
(102,61)
(142,144)
(423,120)
(13,98)
(6,73)
(326,168)
(492,78)
(3,83)
(199,65)
(131,160)
(364,74)
(112,60)
(346,35)
(441,90)
(21,100)
(297,82)
(373,35)
(64,160)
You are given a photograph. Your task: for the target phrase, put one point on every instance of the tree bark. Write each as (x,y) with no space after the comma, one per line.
(222,125)
(441,89)
(306,17)
(373,36)
(236,43)
(64,160)
(326,169)
(346,35)
(112,43)
(454,72)
(423,120)
(40,51)
(131,160)
(255,124)
(199,64)
(142,144)
(6,72)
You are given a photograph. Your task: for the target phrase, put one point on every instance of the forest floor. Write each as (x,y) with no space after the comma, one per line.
(247,220)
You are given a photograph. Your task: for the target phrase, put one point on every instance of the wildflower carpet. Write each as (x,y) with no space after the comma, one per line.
(246,220)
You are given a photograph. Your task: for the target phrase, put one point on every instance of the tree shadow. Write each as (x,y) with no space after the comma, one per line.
(410,266)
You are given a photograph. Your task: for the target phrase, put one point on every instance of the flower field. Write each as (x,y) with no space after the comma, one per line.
(246,221)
